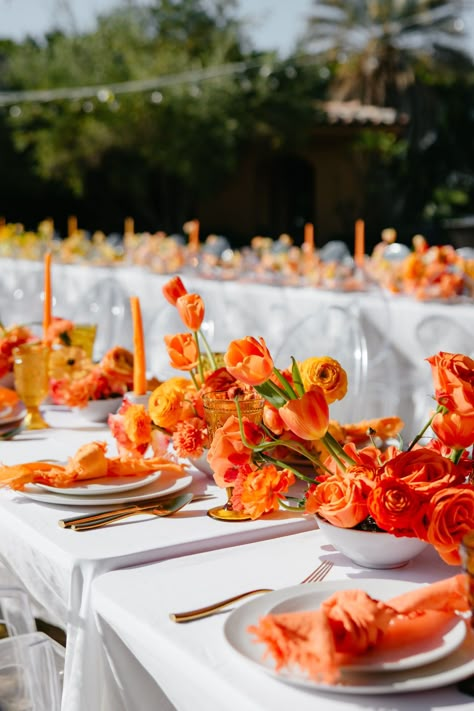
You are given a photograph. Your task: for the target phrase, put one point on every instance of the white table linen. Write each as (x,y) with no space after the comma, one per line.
(148,655)
(57,566)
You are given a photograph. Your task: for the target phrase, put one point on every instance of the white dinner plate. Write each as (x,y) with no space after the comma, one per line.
(452,661)
(105,485)
(154,490)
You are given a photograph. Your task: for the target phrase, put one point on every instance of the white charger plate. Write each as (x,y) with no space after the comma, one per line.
(105,485)
(445,662)
(154,490)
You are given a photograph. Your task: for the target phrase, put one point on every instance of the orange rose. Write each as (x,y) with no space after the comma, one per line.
(327,373)
(182,350)
(342,502)
(396,506)
(454,430)
(450,515)
(173,289)
(249,360)
(307,417)
(168,403)
(453,376)
(259,491)
(227,451)
(424,469)
(117,363)
(191,309)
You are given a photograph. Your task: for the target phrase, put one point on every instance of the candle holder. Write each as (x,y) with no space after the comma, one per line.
(30,369)
(218,407)
(467,558)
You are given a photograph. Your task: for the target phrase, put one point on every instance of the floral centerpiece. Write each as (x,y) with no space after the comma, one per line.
(11,338)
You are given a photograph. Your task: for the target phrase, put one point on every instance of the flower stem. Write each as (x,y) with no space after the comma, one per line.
(208,350)
(200,368)
(420,434)
(286,387)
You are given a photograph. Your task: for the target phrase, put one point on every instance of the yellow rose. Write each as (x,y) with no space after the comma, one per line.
(327,373)
(167,404)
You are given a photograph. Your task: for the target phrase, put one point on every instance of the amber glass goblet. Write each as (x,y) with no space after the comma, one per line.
(466,552)
(82,335)
(218,407)
(30,370)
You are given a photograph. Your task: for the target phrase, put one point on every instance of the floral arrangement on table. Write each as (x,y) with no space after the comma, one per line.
(75,380)
(10,338)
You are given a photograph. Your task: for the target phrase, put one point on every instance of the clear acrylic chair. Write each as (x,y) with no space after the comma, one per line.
(107,304)
(440,333)
(31,667)
(16,616)
(336,332)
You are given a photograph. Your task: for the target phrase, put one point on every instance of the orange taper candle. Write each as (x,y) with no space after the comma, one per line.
(71,225)
(139,366)
(129,226)
(359,243)
(194,234)
(47,295)
(309,236)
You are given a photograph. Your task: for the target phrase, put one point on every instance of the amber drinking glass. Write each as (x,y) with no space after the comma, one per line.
(82,335)
(467,558)
(30,370)
(218,407)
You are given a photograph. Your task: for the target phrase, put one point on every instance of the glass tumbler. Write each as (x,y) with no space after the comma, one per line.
(467,558)
(30,370)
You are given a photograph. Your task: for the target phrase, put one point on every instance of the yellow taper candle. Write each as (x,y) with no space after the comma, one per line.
(71,225)
(129,226)
(139,365)
(47,295)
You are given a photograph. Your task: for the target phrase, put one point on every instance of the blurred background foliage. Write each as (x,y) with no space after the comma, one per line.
(155,154)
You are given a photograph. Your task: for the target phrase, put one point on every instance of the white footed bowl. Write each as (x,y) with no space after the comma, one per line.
(202,464)
(99,410)
(372,549)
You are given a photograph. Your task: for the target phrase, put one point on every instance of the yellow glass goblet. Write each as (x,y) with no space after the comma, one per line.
(466,552)
(30,370)
(218,407)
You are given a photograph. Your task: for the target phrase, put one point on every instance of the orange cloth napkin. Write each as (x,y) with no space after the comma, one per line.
(8,399)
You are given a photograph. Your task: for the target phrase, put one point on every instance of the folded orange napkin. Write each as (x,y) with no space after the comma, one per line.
(88,463)
(350,623)
(8,398)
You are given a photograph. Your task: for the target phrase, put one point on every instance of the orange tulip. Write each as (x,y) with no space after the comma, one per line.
(182,350)
(249,360)
(453,376)
(191,309)
(173,289)
(307,417)
(453,429)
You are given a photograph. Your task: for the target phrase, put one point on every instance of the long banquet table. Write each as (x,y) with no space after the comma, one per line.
(153,663)
(57,566)
(399,332)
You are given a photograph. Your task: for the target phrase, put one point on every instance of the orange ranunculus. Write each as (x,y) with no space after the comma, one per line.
(117,363)
(424,469)
(259,491)
(307,417)
(131,428)
(383,427)
(327,373)
(182,350)
(396,506)
(342,502)
(191,309)
(454,430)
(227,452)
(450,515)
(453,376)
(173,289)
(249,360)
(168,404)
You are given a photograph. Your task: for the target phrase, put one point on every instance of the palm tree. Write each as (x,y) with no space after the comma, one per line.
(379,46)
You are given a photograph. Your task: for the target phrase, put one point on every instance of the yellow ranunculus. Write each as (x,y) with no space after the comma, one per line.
(327,373)
(167,404)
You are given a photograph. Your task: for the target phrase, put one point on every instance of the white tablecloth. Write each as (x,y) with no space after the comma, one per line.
(57,566)
(398,378)
(193,665)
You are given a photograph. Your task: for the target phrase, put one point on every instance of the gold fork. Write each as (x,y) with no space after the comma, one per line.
(315,576)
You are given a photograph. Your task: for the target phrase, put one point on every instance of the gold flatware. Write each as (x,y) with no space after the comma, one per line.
(163,509)
(128,510)
(316,575)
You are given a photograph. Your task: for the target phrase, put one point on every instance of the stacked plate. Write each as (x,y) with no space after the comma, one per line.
(438,660)
(11,419)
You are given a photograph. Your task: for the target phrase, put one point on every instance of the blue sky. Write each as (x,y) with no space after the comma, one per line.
(272,23)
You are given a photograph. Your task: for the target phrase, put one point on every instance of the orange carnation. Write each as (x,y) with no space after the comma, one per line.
(182,350)
(249,360)
(227,451)
(454,430)
(450,515)
(327,373)
(259,491)
(307,417)
(453,376)
(173,289)
(191,309)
